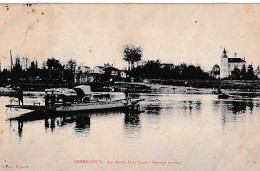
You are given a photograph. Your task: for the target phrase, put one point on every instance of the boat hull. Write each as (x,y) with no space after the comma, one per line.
(104,105)
(92,106)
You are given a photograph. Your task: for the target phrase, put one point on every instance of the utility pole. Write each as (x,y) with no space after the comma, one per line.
(11,69)
(11,60)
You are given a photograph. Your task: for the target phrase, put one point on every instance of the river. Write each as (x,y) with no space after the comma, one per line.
(165,132)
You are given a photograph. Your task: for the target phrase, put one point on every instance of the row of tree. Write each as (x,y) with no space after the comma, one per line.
(52,71)
(244,73)
(156,70)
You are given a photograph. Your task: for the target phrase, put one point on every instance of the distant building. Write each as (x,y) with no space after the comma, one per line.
(215,72)
(227,64)
(82,69)
(98,70)
(109,70)
(123,74)
(165,65)
(85,78)
(108,65)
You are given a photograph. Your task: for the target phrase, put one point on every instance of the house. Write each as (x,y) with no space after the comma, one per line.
(227,64)
(85,78)
(98,70)
(111,71)
(123,74)
(82,69)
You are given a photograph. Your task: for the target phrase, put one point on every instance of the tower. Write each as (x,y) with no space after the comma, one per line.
(224,64)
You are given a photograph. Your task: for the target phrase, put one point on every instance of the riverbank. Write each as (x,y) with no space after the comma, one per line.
(154,89)
(253,85)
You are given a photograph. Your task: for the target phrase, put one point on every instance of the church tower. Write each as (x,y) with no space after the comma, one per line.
(224,64)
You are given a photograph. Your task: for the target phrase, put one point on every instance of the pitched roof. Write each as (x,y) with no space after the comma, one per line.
(235,60)
(224,54)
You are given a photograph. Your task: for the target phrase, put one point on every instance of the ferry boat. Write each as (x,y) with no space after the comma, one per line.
(79,99)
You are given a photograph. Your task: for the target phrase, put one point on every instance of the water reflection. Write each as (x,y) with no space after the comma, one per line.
(233,111)
(46,124)
(191,105)
(82,121)
(52,124)
(132,124)
(20,128)
(155,109)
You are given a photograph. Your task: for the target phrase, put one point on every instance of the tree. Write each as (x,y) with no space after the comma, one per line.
(243,72)
(17,71)
(152,69)
(183,71)
(250,73)
(44,65)
(68,74)
(55,68)
(235,74)
(132,54)
(53,64)
(33,71)
(71,65)
(33,66)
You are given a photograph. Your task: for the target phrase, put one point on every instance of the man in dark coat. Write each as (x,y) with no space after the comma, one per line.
(126,92)
(20,96)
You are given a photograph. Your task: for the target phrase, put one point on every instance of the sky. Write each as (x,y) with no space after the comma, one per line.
(94,34)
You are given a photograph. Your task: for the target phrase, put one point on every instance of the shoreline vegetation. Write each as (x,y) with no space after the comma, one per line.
(140,76)
(248,88)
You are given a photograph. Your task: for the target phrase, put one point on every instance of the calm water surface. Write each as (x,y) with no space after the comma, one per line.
(192,132)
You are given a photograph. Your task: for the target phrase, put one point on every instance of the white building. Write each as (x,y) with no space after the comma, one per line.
(227,64)
(82,69)
(98,70)
(123,74)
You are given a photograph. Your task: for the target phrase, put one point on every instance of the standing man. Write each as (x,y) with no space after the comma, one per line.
(20,96)
(126,93)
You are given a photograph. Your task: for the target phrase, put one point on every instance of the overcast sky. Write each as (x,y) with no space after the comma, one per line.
(95,34)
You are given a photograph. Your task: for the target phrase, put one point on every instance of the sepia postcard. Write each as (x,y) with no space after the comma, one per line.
(130,87)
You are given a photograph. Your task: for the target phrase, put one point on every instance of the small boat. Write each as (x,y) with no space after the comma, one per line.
(78,100)
(223,96)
